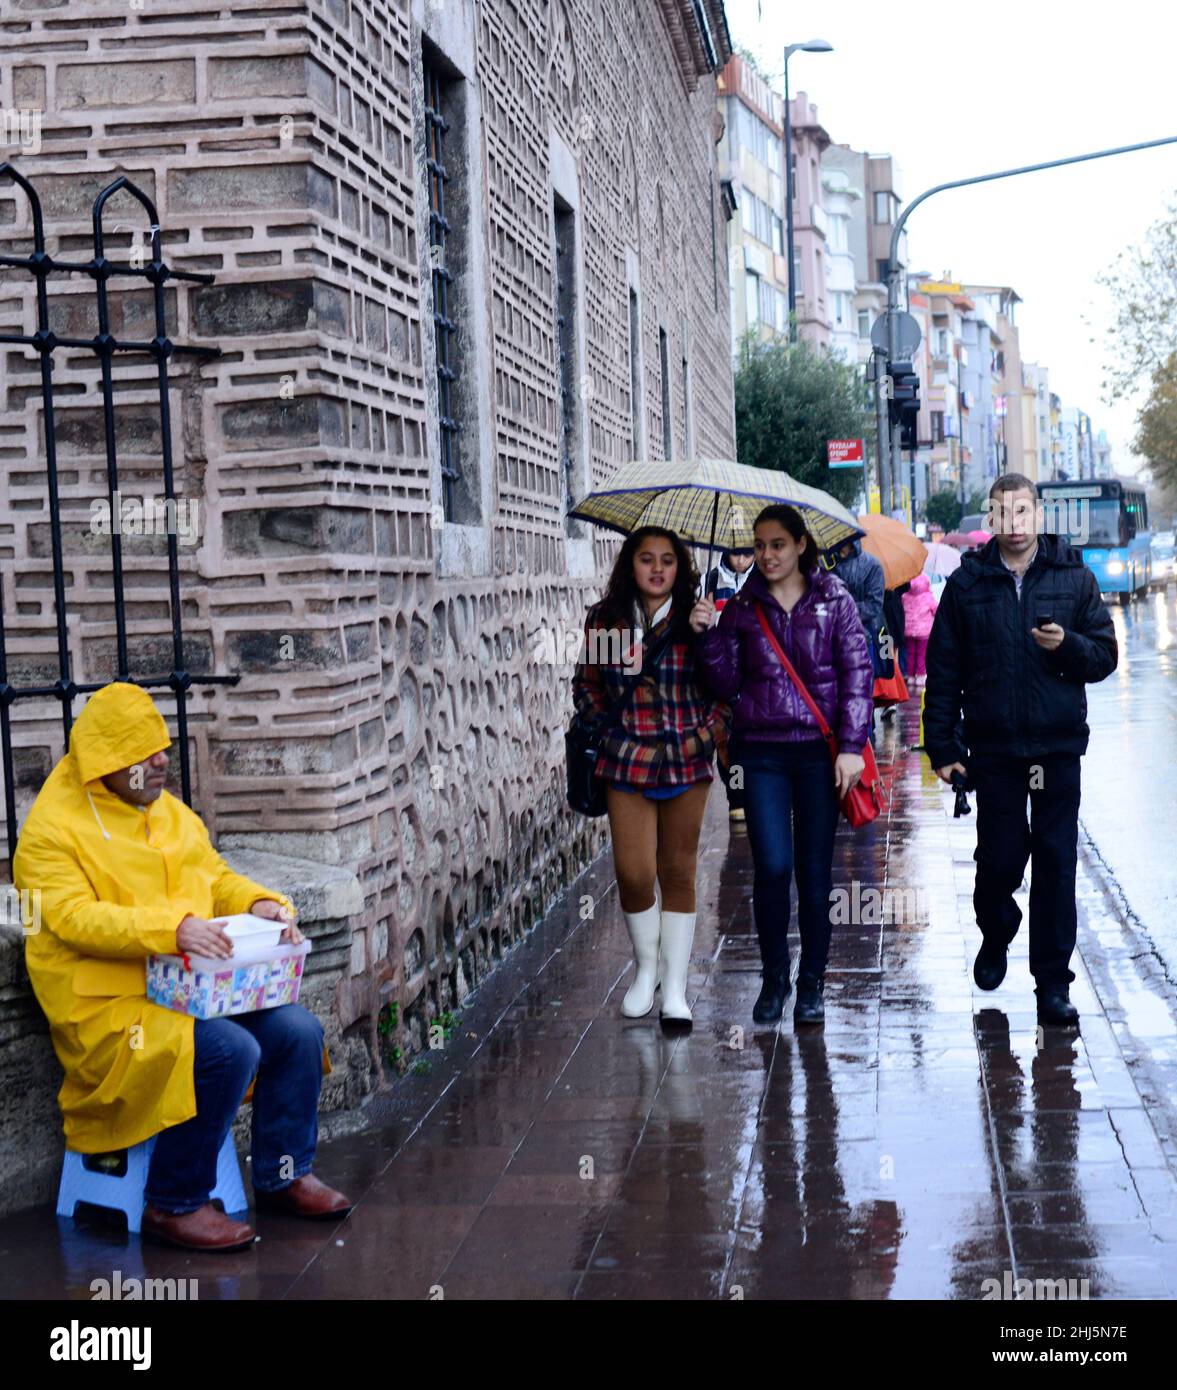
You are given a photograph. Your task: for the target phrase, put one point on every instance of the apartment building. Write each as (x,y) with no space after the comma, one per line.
(811,231)
(841,205)
(875,181)
(1005,369)
(1076,455)
(1036,437)
(751,160)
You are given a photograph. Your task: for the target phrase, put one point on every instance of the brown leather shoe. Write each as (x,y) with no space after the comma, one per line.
(206,1228)
(306,1196)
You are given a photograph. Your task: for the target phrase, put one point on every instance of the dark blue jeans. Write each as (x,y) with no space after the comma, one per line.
(283,1047)
(792,812)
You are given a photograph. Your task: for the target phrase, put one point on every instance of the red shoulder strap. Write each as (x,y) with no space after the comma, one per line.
(766,628)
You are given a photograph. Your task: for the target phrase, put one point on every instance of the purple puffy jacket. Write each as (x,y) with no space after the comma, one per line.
(824,639)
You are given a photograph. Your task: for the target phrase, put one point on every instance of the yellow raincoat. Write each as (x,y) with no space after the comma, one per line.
(115,881)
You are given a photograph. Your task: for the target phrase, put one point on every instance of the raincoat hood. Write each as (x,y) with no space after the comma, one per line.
(920,584)
(119,725)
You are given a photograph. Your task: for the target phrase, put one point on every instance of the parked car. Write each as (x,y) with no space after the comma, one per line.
(1164,558)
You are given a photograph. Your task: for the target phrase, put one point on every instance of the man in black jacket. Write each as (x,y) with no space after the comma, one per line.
(1021,629)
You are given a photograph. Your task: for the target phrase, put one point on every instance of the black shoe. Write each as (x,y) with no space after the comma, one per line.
(810,1006)
(773,993)
(989,967)
(1055,1009)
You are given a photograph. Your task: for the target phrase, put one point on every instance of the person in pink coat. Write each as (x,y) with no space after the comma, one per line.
(919,612)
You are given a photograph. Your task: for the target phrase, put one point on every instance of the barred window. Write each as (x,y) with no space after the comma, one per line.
(667,422)
(565,309)
(635,374)
(437,128)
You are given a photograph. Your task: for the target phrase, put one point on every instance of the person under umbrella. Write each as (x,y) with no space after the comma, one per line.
(656,759)
(792,794)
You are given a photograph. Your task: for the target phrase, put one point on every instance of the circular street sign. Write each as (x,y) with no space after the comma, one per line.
(909,335)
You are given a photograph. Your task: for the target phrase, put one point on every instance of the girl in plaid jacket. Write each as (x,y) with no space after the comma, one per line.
(656,759)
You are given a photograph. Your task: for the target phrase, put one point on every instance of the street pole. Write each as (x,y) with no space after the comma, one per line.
(789,204)
(960,439)
(882,431)
(895,271)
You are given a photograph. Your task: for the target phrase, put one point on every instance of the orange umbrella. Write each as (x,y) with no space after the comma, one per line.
(901,552)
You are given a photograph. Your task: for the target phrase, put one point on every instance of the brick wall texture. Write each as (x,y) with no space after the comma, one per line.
(387,718)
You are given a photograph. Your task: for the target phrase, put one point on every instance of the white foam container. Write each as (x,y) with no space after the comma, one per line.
(248,932)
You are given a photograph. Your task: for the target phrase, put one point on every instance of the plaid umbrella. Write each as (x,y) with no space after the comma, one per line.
(711,502)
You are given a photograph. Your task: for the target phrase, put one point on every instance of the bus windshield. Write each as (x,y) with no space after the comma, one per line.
(1103,522)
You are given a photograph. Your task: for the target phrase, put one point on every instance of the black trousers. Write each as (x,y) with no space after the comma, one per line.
(735,795)
(1048,840)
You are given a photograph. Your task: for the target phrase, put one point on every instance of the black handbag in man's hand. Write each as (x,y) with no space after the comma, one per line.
(582,742)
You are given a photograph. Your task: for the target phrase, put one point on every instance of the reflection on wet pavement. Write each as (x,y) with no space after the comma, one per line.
(1129,797)
(927,1140)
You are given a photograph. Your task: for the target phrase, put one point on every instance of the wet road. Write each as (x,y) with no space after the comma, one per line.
(1130,774)
(926,1142)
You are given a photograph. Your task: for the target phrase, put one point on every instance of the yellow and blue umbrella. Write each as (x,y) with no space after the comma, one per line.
(711,502)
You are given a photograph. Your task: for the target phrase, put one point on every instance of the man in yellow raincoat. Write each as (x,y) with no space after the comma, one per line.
(122,870)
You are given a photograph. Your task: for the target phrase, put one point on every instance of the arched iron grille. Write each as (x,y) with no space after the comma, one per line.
(40,265)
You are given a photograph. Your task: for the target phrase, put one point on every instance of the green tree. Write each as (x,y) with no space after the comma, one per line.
(978,502)
(1142,282)
(1156,433)
(791,399)
(944,509)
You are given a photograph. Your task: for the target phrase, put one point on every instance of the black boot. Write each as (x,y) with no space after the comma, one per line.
(810,1006)
(1055,1009)
(989,967)
(773,993)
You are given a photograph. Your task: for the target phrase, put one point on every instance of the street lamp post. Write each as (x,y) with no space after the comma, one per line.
(813,46)
(896,271)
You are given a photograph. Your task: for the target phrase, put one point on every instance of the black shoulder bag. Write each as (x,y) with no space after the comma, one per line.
(582,742)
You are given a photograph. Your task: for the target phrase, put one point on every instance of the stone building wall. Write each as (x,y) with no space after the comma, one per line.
(399,713)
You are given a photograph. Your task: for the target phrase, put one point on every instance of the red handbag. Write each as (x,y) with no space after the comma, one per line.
(863,802)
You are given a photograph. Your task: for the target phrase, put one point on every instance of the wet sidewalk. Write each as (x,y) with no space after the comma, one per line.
(927,1140)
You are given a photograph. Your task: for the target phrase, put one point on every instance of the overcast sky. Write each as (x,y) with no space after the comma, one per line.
(952,93)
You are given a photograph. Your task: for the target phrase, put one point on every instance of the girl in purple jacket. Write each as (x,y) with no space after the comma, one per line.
(791,792)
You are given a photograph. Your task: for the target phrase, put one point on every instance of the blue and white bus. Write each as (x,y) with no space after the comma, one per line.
(1107,518)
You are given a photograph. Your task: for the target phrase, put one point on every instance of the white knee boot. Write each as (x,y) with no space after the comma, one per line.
(678,935)
(644,933)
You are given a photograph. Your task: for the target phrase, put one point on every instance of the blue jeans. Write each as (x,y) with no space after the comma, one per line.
(792,813)
(283,1047)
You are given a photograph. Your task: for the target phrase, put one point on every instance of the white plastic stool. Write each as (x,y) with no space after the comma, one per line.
(125,1193)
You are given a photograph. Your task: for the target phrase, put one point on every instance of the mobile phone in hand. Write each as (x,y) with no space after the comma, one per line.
(1043,619)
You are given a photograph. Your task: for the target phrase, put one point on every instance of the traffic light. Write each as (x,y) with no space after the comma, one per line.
(904,405)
